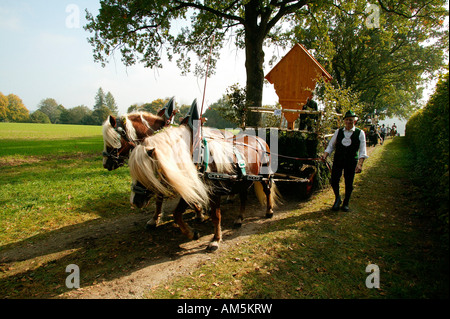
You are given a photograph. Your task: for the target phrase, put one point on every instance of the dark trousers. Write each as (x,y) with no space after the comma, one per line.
(348,167)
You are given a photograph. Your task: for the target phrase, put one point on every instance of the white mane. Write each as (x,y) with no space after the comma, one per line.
(170,169)
(111,137)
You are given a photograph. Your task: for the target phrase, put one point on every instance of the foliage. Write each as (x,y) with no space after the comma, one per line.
(111,103)
(337,100)
(384,65)
(215,115)
(52,108)
(12,109)
(144,31)
(39,117)
(233,105)
(76,115)
(153,107)
(427,132)
(16,110)
(103,102)
(3,107)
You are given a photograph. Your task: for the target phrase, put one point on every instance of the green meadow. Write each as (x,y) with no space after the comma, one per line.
(52,176)
(28,139)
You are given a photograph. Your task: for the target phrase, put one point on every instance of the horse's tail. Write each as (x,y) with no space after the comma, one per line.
(275,195)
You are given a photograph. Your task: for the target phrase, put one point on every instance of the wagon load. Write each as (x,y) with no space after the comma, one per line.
(294,78)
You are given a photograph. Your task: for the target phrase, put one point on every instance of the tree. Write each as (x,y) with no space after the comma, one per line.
(3,107)
(182,111)
(50,107)
(232,107)
(39,117)
(17,112)
(111,103)
(75,115)
(100,99)
(143,30)
(154,107)
(385,65)
(215,115)
(99,115)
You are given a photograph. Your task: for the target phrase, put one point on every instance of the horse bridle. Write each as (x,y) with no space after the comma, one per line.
(115,154)
(141,190)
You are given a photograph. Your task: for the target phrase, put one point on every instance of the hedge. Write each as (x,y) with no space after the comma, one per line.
(427,133)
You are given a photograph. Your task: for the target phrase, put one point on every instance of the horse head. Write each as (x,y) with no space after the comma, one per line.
(121,134)
(117,143)
(142,170)
(140,195)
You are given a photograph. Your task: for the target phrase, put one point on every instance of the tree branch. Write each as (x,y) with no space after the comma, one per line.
(385,8)
(182,5)
(284,10)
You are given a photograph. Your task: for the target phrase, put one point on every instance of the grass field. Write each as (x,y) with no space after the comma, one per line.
(27,139)
(52,176)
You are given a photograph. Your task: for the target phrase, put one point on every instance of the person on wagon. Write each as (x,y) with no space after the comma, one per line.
(349,144)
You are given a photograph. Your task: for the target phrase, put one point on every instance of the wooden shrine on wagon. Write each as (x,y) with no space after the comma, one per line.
(294,79)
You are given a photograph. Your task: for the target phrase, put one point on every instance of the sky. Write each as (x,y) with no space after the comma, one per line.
(45,54)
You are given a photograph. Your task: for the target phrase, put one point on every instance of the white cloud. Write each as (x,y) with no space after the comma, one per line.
(9,21)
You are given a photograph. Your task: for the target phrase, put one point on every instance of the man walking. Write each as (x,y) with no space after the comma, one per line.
(349,144)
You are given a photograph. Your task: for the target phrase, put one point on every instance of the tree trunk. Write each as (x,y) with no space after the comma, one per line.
(254,60)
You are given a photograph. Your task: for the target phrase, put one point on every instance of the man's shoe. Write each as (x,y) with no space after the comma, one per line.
(345,207)
(337,203)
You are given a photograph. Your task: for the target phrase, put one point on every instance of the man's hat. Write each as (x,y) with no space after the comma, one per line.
(350,113)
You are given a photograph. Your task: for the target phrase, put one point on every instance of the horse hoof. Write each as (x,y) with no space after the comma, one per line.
(196,235)
(213,246)
(269,215)
(238,222)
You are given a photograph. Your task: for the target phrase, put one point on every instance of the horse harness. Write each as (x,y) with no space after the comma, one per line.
(240,165)
(121,130)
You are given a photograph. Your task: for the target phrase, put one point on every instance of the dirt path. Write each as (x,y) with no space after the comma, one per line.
(118,258)
(180,261)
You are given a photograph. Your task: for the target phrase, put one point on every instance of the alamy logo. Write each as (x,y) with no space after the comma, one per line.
(73,280)
(373,280)
(73,17)
(373,18)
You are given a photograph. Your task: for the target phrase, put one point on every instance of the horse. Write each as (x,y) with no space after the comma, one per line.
(164,164)
(121,134)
